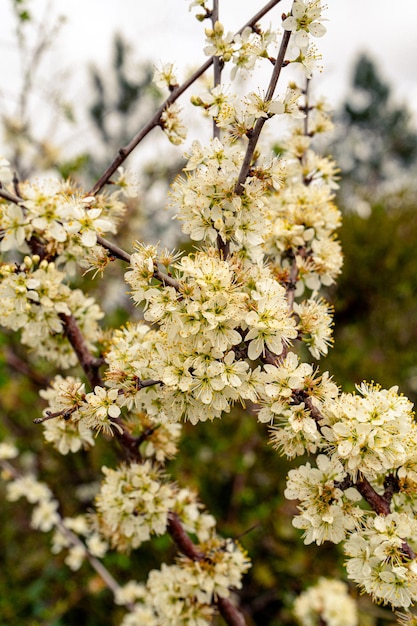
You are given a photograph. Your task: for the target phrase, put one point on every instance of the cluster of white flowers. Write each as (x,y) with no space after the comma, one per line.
(45,512)
(134,503)
(372,433)
(183,593)
(72,415)
(368,438)
(92,542)
(327,512)
(237,116)
(209,205)
(328,602)
(33,296)
(303,22)
(291,392)
(244,49)
(57,216)
(54,210)
(304,217)
(380,559)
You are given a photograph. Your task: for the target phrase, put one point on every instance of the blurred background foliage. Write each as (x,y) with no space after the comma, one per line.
(240,478)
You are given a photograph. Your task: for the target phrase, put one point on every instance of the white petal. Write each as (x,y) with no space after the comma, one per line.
(318,30)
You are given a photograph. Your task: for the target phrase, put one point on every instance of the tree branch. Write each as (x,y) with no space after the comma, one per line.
(378,503)
(217,68)
(230,613)
(182,539)
(115,250)
(89,363)
(10,197)
(253,140)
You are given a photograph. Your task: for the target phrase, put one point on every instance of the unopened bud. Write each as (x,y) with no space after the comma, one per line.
(196,101)
(219,28)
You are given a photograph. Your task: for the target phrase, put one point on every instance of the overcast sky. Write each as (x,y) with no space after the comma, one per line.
(164,30)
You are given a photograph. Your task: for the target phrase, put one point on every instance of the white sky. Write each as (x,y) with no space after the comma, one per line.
(164,30)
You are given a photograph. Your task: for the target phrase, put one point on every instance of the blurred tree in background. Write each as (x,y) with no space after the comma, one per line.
(376,138)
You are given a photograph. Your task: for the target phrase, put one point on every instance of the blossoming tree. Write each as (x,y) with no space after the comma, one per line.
(221,325)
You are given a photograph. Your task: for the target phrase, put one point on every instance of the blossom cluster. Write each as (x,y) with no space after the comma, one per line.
(210,206)
(135,502)
(56,216)
(380,560)
(327,602)
(72,415)
(33,299)
(183,593)
(368,440)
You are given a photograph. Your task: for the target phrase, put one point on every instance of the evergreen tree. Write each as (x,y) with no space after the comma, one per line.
(376,141)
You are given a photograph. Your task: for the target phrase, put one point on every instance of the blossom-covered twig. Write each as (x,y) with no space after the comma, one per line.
(217,64)
(254,135)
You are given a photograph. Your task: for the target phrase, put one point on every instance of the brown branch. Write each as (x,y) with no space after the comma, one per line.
(217,67)
(368,493)
(87,361)
(391,486)
(173,96)
(113,249)
(254,136)
(230,612)
(166,280)
(182,539)
(10,197)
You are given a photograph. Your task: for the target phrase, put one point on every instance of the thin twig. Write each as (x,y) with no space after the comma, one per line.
(217,68)
(254,136)
(75,541)
(115,250)
(166,280)
(10,197)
